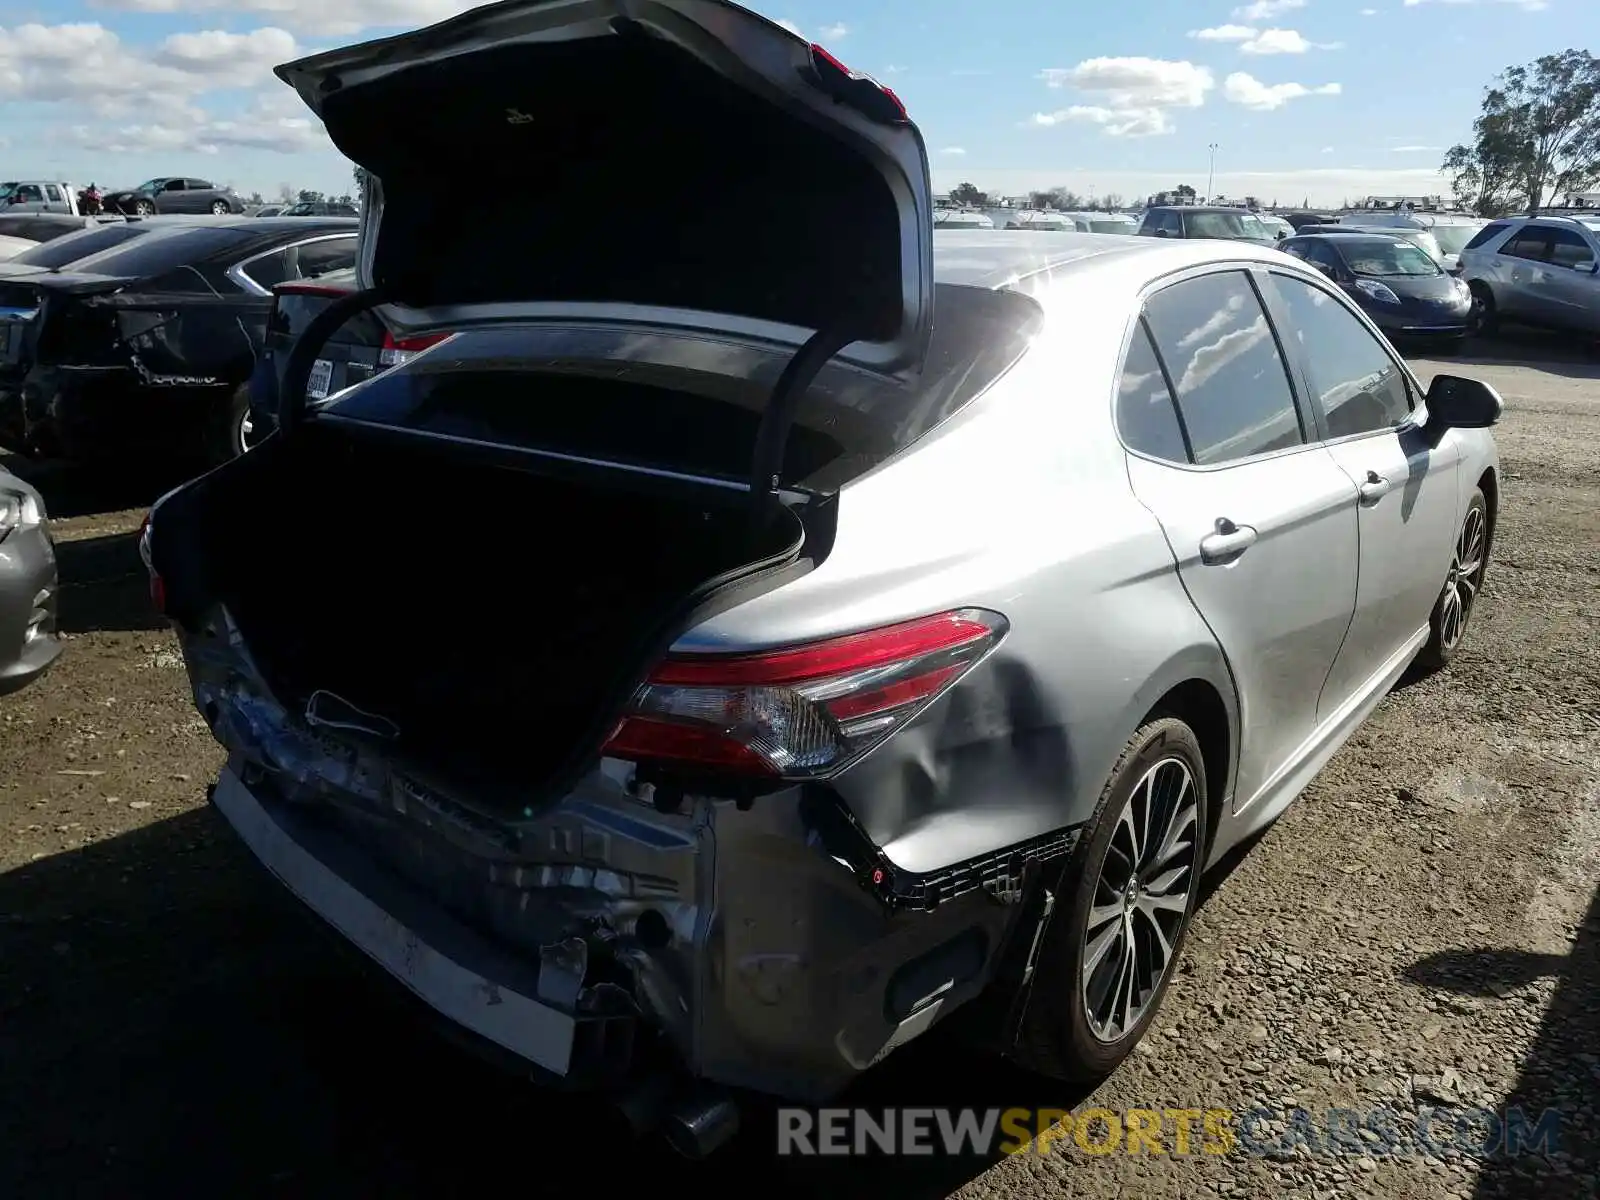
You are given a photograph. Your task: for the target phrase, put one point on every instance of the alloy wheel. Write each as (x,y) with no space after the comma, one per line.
(1141,899)
(244,433)
(1466,576)
(219,207)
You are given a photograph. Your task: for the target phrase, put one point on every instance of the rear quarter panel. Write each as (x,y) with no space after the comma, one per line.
(1021,504)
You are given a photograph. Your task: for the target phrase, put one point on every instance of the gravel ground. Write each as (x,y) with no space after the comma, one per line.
(1422,929)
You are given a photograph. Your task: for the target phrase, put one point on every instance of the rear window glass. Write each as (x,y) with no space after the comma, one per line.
(39,229)
(674,402)
(63,250)
(1486,234)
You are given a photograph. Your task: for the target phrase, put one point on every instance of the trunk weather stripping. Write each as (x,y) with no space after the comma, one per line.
(772,436)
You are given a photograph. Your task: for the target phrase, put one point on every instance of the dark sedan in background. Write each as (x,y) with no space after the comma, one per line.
(361,348)
(1399,285)
(175,194)
(141,336)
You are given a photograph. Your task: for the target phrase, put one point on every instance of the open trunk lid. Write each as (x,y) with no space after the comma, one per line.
(677,162)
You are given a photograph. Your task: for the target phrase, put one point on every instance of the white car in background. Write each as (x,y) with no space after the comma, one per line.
(10,247)
(961,218)
(1450,232)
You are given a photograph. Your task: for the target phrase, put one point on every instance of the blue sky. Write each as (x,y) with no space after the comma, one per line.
(1318,98)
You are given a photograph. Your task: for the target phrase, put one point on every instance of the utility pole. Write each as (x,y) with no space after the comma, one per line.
(1211,174)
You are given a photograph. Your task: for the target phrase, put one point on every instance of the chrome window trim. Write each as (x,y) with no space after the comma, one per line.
(240,276)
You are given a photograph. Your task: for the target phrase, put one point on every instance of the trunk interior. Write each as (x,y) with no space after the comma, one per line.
(497,617)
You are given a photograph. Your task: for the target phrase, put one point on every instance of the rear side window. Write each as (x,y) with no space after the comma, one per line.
(1233,389)
(1531,242)
(1146,414)
(1487,234)
(316,259)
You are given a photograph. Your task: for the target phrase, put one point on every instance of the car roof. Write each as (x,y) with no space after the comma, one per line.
(997,258)
(1227,208)
(258,225)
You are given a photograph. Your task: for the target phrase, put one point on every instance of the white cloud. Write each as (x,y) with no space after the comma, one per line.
(1224,33)
(1265,10)
(87,63)
(954,151)
(270,125)
(1369,12)
(1250,92)
(1327,149)
(1526,5)
(1413,149)
(310,16)
(1133,97)
(790,26)
(1280,41)
(833,33)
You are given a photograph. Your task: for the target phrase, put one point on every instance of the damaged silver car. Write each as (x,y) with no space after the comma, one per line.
(706,671)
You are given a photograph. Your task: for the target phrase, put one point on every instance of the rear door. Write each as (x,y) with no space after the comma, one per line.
(1261,519)
(1409,492)
(1518,266)
(790,195)
(1569,284)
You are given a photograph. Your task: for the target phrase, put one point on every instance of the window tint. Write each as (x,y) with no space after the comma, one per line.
(269,270)
(1487,234)
(1568,249)
(1360,387)
(156,253)
(1532,243)
(335,254)
(1146,414)
(198,185)
(28,194)
(1233,390)
(53,192)
(73,246)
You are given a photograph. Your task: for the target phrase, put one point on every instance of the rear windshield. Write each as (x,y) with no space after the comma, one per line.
(39,229)
(693,405)
(1453,239)
(135,251)
(63,250)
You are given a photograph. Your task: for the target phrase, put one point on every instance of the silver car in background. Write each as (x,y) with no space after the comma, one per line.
(830,668)
(29,592)
(1542,271)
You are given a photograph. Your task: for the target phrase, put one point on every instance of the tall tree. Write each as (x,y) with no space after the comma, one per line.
(1538,133)
(967,194)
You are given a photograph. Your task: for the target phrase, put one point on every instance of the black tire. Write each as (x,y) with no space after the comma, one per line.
(144,208)
(1464,582)
(1485,313)
(226,437)
(1056,1037)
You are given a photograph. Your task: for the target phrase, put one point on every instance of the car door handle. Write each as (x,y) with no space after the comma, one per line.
(1373,488)
(1227,543)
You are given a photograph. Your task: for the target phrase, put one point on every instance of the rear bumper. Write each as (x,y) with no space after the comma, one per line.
(28,598)
(580,937)
(90,413)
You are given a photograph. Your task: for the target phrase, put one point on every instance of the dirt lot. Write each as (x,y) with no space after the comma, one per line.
(1422,929)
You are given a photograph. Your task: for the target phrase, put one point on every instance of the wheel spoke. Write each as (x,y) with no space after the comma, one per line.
(1129,981)
(1162,947)
(1175,841)
(1096,950)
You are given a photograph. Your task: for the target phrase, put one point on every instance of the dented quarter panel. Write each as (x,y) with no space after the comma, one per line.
(187,340)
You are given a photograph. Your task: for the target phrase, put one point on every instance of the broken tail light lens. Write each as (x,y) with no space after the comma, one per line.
(862,92)
(802,711)
(398,350)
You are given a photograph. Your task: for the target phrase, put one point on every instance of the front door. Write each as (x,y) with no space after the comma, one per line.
(1409,492)
(1261,520)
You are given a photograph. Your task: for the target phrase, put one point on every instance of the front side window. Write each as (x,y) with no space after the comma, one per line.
(1146,414)
(1232,386)
(1356,381)
(28,194)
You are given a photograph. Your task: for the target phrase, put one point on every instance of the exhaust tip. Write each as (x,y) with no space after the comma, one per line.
(698,1127)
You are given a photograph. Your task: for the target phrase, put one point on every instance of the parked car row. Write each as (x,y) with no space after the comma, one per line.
(140,336)
(827,742)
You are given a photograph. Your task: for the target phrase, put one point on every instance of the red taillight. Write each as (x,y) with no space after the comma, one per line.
(397,350)
(802,711)
(861,92)
(158,589)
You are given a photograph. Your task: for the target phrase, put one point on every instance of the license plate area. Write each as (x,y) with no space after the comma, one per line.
(321,380)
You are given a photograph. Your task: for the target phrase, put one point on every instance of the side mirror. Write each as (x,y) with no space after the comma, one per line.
(1163,233)
(1459,403)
